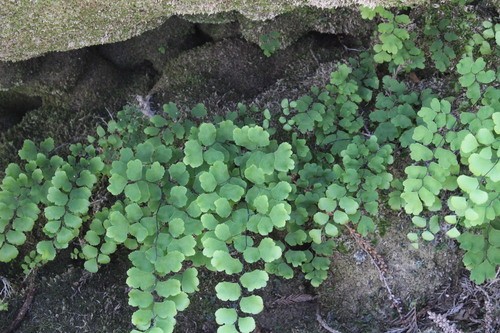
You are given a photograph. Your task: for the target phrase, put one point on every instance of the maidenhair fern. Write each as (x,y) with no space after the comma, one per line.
(254,193)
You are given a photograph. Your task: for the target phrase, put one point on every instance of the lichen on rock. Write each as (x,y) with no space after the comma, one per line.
(31,28)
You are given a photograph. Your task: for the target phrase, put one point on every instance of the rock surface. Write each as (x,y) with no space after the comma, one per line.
(31,28)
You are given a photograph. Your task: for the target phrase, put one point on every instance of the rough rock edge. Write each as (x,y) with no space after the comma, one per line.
(32,28)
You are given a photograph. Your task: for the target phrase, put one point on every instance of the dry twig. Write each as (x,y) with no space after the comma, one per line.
(26,305)
(443,323)
(323,323)
(293,299)
(407,324)
(381,266)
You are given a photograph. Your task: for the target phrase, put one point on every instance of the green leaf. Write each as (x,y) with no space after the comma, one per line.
(193,154)
(165,309)
(365,225)
(140,299)
(184,245)
(494,237)
(472,243)
(481,166)
(225,316)
(467,184)
(86,179)
(28,151)
(321,218)
(349,205)
(469,144)
(8,252)
(64,236)
(465,65)
(474,92)
(331,230)
(223,232)
(134,170)
(486,77)
(61,181)
(297,237)
(428,236)
(91,265)
(453,233)
(176,227)
(228,291)
(281,190)
(138,231)
(478,65)
(268,250)
(134,212)
(207,181)
(420,222)
(282,158)
(140,279)
(246,324)
(171,109)
(190,281)
(155,172)
(340,217)
(168,288)
(46,250)
(485,137)
(420,152)
(78,206)
(413,237)
(335,191)
(199,111)
(142,318)
(458,204)
(279,215)
(172,262)
(251,304)
(223,261)
(251,137)
(403,19)
(327,204)
(484,271)
(494,255)
(413,204)
(391,43)
(232,328)
(52,227)
(220,172)
(222,207)
(57,197)
(315,235)
(254,280)
(119,229)
(467,80)
(231,192)
(178,196)
(54,212)
(47,145)
(254,174)
(261,204)
(116,184)
(207,134)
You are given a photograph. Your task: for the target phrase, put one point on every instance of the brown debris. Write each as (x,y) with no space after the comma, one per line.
(30,294)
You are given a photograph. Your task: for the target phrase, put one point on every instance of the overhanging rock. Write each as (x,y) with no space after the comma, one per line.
(29,28)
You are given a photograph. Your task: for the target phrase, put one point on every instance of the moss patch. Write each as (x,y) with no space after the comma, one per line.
(30,28)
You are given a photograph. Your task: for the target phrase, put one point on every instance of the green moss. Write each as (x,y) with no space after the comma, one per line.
(32,28)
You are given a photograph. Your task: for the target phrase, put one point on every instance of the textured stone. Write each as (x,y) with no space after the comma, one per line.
(30,28)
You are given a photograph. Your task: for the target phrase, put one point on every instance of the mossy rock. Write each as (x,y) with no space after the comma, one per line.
(30,29)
